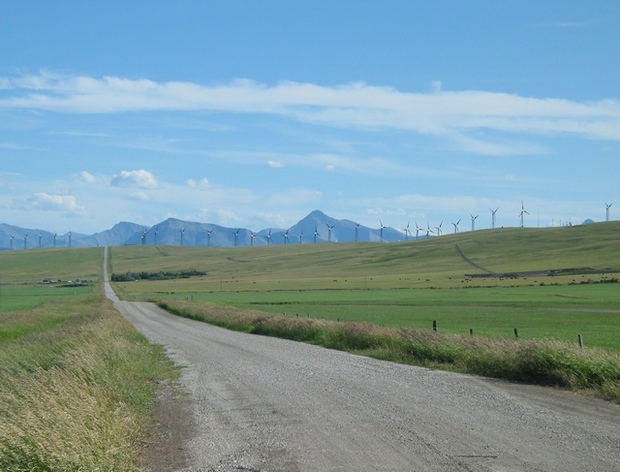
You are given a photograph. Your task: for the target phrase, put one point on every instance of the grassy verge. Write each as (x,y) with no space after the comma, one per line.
(590,371)
(77,386)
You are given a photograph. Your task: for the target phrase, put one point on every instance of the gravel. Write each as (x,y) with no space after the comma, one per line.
(255,403)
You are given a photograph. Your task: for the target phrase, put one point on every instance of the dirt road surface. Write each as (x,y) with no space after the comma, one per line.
(255,403)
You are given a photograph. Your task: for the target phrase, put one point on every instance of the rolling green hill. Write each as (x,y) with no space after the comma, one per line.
(444,261)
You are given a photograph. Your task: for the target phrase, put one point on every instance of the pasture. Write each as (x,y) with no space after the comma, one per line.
(549,283)
(22,274)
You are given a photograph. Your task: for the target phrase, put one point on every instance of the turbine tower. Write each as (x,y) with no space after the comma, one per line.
(209,231)
(407,231)
(55,234)
(301,237)
(473,221)
(417,229)
(329,232)
(70,234)
(316,233)
(438,228)
(40,236)
(456,226)
(144,237)
(493,217)
(182,234)
(155,240)
(269,237)
(285,236)
(25,240)
(607,207)
(523,212)
(252,236)
(236,234)
(382,228)
(357,225)
(11,241)
(428,230)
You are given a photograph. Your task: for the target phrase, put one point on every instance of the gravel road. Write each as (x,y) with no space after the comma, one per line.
(265,404)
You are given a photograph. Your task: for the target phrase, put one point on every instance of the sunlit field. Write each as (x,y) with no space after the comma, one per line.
(412,284)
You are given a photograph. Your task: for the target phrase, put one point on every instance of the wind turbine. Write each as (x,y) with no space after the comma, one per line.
(269,237)
(25,240)
(70,234)
(417,229)
(144,237)
(209,231)
(316,233)
(11,240)
(182,234)
(523,211)
(407,231)
(55,234)
(155,240)
(252,236)
(285,236)
(40,236)
(493,217)
(301,237)
(473,221)
(438,228)
(329,232)
(428,230)
(607,207)
(236,233)
(357,225)
(456,226)
(382,228)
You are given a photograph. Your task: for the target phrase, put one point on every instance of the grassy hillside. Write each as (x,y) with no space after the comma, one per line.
(22,274)
(33,265)
(443,261)
(411,283)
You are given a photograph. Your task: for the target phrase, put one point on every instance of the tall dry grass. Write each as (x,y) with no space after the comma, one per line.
(545,362)
(76,397)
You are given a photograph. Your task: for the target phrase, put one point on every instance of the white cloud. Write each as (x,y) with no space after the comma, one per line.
(442,113)
(135,178)
(202,184)
(63,203)
(86,177)
(275,164)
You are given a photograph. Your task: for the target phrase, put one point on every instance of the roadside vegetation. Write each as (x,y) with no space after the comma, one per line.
(77,386)
(545,362)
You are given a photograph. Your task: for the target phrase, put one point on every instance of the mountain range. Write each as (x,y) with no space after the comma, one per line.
(316,227)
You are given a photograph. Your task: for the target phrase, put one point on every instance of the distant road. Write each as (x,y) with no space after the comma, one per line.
(267,404)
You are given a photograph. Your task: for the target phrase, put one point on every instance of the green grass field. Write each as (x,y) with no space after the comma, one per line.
(411,284)
(22,274)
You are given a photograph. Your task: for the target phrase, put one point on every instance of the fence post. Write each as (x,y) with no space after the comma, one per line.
(471,332)
(580,338)
(434,325)
(516,334)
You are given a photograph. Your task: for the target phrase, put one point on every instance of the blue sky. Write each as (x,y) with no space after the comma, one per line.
(253,114)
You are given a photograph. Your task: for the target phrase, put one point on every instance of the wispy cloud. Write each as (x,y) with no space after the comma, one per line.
(202,184)
(452,114)
(62,203)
